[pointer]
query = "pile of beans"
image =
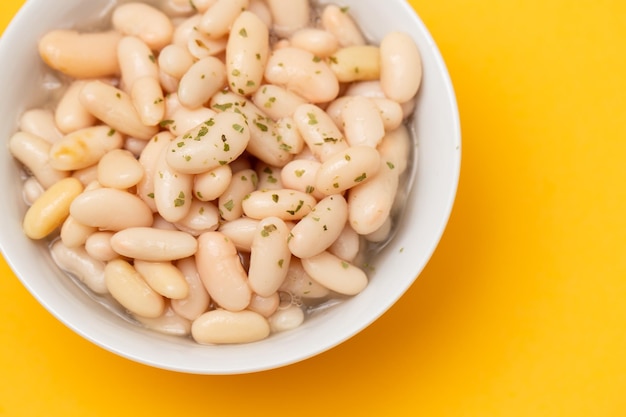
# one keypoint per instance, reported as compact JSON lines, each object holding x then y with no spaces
{"x":216,"y":166}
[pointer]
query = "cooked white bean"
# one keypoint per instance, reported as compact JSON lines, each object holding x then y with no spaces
{"x":286,"y":319}
{"x":391,"y":113}
{"x":203,"y":216}
{"x":200,"y":6}
{"x":134,"y":146}
{"x":303,"y":73}
{"x":148,"y":159}
{"x":299,"y":284}
{"x":148,"y":100}
{"x":285,"y":204}
{"x":347,"y":245}
{"x":184,"y":120}
{"x":175,"y":60}
{"x":51,"y":209}
{"x":162,"y":224}
{"x":31,"y":190}
{"x":86,"y":175}
{"x":221,"y":271}
{"x":260,"y":8}
{"x":347,"y":169}
{"x":218,"y":19}
{"x":362,"y":122}
{"x":119,"y":169}
{"x":185,"y":29}
{"x":319,"y":132}
{"x":203,"y":79}
{"x":289,"y":135}
{"x":168,"y":83}
{"x":216,"y":142}
{"x":247,"y":51}
{"x":81,"y":55}
{"x":240,"y":232}
{"x":198,"y":299}
{"x":269,"y":256}
{"x":395,"y":149}
{"x":335,"y":273}
{"x":277,"y":102}
{"x":289,"y":15}
{"x":201,"y":46}
{"x":110,"y":209}
{"x":131,"y":290}
{"x":268,"y":177}
{"x":115,"y":108}
{"x":77,"y":262}
{"x":98,"y":246}
{"x":319,"y":42}
{"x":34,"y":153}
{"x":300,"y":175}
{"x":400,"y":67}
{"x":170,"y":322}
{"x":356,"y":63}
{"x":228,"y":327}
{"x":163,"y":277}
{"x":151,"y":244}
{"x":381,"y":234}
{"x":172,"y":189}
{"x":70,"y":115}
{"x":320,"y":228}
{"x":373,"y":89}
{"x":209,"y":185}
{"x":144,"y":21}
{"x":229,"y":203}
{"x":136,"y":61}
{"x":338,"y":22}
{"x":40,"y":122}
{"x":75,"y":234}
{"x":265,"y":306}
{"x":84,"y":147}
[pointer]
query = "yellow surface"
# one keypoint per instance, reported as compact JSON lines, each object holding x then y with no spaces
{"x":521,"y":311}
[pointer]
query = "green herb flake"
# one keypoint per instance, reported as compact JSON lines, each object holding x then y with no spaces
{"x":223,"y":107}
{"x":210,"y":122}
{"x":180,"y":201}
{"x":152,"y":58}
{"x":325,"y":228}
{"x":199,"y":195}
{"x":118,"y":95}
{"x":361,"y":177}
{"x":243,"y":33}
{"x":281,"y":262}
{"x":229,"y":205}
{"x":261,"y":126}
{"x":187,"y":158}
{"x":275,"y":198}
{"x":331,"y":140}
{"x":316,"y":59}
{"x":236,"y":73}
{"x":250,"y":83}
{"x":111,"y":132}
{"x":345,"y":265}
{"x":238,"y":128}
{"x":347,"y":157}
{"x":165,"y":123}
{"x":201,"y":211}
{"x":271,"y":179}
{"x":180,"y":144}
{"x":299,"y":172}
{"x":309,"y":189}
{"x":312,"y":118}
{"x":222,"y":162}
{"x":345,"y":9}
{"x":285,"y":147}
{"x":293,"y":212}
{"x":158,"y":100}
{"x":390,"y":165}
{"x":268,"y":229}
{"x":336,"y":185}
{"x":333,"y":59}
{"x":151,"y":195}
{"x":258,"y":56}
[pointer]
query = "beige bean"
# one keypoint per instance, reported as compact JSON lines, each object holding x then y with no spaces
{"x":247,"y":51}
{"x":240,"y":232}
{"x":185,"y":29}
{"x":168,"y":84}
{"x":382,"y":233}
{"x":373,"y":90}
{"x":216,"y":142}
{"x":172,"y":189}
{"x":86,"y":175}
{"x":163,"y":277}
{"x":170,"y":322}
{"x":144,"y":21}
{"x":119,"y":169}
{"x":261,"y":9}
{"x":347,"y":245}
{"x":221,"y":271}
{"x":128,"y":287}
{"x":269,"y":256}
{"x":151,"y":244}
{"x":175,"y":60}
{"x":227,"y":327}
{"x":230,"y":202}
{"x":184,"y":120}
{"x":362,"y":122}
{"x":136,"y":61}
{"x":391,"y":113}
{"x":285,"y":204}
{"x":356,"y":63}
{"x":300,"y":175}
{"x":290,"y":136}
{"x":115,"y":108}
{"x":177,"y":8}
{"x":268,"y":177}
{"x":201,"y":46}
{"x":339,"y":22}
{"x":265,"y":306}
{"x":209,"y":185}
{"x":275,"y":101}
{"x":34,"y":153}
{"x":303,"y":73}
{"x":81,"y":55}
{"x":319,"y":132}
{"x":203,"y":79}
{"x":401,"y":67}
{"x":203,"y":216}
{"x":320,"y":228}
{"x":31,"y":190}
{"x":162,"y":224}
{"x":395,"y":149}
{"x":40,"y":122}
{"x":219,"y":18}
{"x":98,"y":246}
{"x":286,"y":319}
{"x":335,"y":273}
{"x":148,"y":159}
{"x":74,"y":234}
{"x":347,"y":169}
{"x":198,"y":299}
{"x":110,"y":209}
{"x":200,"y":6}
{"x":299,"y":284}
{"x":289,"y":15}
{"x":84,"y":147}
{"x":70,"y":115}
{"x":134,"y":146}
{"x":148,"y":100}
{"x":51,"y":209}
{"x":319,"y":42}
{"x":77,"y":262}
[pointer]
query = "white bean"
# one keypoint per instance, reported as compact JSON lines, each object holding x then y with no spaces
{"x":198,"y":299}
{"x":362,"y":122}
{"x":300,"y":175}
{"x":119,"y":169}
{"x":209,"y":185}
{"x":269,"y":256}
{"x":175,"y":60}
{"x":319,"y":132}
{"x":203,"y":79}
{"x":170,"y":322}
{"x":34,"y":153}
{"x":335,"y":273}
{"x":86,"y":175}
{"x":229,"y":203}
{"x":131,"y":290}
{"x":110,"y":209}
{"x":144,"y":21}
{"x":84,"y":147}
{"x":163,"y":277}
{"x":401,"y":67}
{"x":148,"y":100}
{"x":31,"y":190}
{"x":319,"y":42}
{"x":70,"y":115}
{"x":299,"y":284}
{"x":286,"y":319}
{"x":40,"y":122}
{"x":201,"y":46}
{"x":347,"y":245}
{"x":347,"y":169}
{"x":218,"y":19}
{"x":265,"y":306}
{"x":184,"y":120}
{"x":151,"y":244}
{"x":77,"y":262}
{"x":203,"y":216}
{"x":338,"y":22}
{"x":240,"y":232}
{"x":172,"y":189}
{"x":227,"y":327}
{"x":277,"y":102}
{"x":289,"y":15}
{"x":74,"y":234}
{"x":261,"y":9}
{"x":395,"y":148}
{"x":148,"y":159}
{"x":98,"y":246}
{"x":285,"y":204}
{"x":136,"y":61}
{"x":268,"y":177}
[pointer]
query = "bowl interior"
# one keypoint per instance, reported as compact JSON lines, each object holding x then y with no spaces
{"x":436,"y":125}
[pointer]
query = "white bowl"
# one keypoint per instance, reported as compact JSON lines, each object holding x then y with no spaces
{"x":436,"y":124}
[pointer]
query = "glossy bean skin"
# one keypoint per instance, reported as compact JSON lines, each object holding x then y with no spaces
{"x":277,"y":102}
{"x":289,"y":15}
{"x":362,"y":122}
{"x":144,"y":21}
{"x":300,"y":175}
{"x":209,"y":185}
{"x":335,"y":273}
{"x":34,"y":153}
{"x":219,"y":18}
{"x":221,"y":271}
{"x":31,"y":190}
{"x":240,"y":232}
{"x":198,"y":299}
{"x":148,"y":159}
{"x":319,"y":132}
{"x":98,"y":246}
{"x":81,"y":265}
{"x":155,"y":245}
{"x":230,"y":202}
{"x":285,"y":204}
{"x":184,"y":120}
{"x":401,"y":67}
{"x":175,"y":60}
{"x":265,"y":306}
{"x":84,"y":147}
{"x":269,"y":256}
{"x":73,"y":233}
{"x":148,"y":100}
{"x":119,"y":169}
{"x":81,"y":55}
{"x":319,"y":42}
{"x":395,"y":148}
{"x":51,"y":209}
{"x":228,"y":327}
{"x":42,"y":123}
{"x":163,"y":277}
{"x":347,"y":169}
{"x":70,"y":115}
{"x":203,"y":216}
{"x":170,"y":322}
{"x":136,"y":61}
{"x":172,"y":189}
{"x":347,"y":244}
{"x":356,"y":63}
{"x":110,"y":209}
{"x":128,"y":287}
{"x":201,"y":81}
{"x":299,"y":284}
{"x":286,"y":319}
{"x":340,"y":24}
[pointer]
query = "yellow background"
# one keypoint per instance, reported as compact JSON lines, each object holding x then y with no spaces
{"x":522,"y":309}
